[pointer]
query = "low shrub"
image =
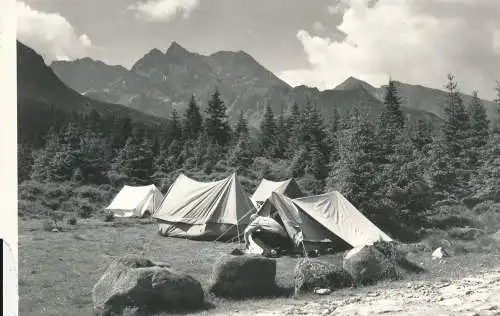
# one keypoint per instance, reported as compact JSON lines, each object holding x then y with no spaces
{"x":49,"y":225}
{"x":71,"y":220}
{"x":109,"y":217}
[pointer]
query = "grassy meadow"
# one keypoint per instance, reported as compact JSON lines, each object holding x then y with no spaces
{"x":57,"y":270}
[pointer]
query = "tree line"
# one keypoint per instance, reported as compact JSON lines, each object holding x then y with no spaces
{"x":392,"y":169}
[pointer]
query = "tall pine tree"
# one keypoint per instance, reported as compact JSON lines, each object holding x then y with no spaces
{"x":456,"y":129}
{"x":267,"y":136}
{"x":479,"y":122}
{"x":391,"y":121}
{"x":193,"y":121}
{"x":241,"y":129}
{"x":216,"y":123}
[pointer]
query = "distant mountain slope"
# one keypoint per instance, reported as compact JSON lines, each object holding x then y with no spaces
{"x":416,"y":97}
{"x":431,"y":100}
{"x":37,"y":84}
{"x":159,"y":82}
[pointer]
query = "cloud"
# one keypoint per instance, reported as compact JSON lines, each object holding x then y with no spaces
{"x":415,"y":41}
{"x":50,"y":34}
{"x":163,"y":10}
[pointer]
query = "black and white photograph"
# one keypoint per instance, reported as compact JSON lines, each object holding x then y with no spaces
{"x":231,"y":157}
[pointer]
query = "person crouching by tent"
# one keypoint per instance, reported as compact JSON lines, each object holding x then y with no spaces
{"x":266,"y":233}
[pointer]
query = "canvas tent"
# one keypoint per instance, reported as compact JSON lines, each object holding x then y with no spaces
{"x":289,"y":187}
{"x":136,"y":201}
{"x":204,"y":210}
{"x":326,"y":220}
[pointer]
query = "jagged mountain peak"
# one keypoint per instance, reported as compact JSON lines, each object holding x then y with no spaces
{"x":353,"y":83}
{"x":175,"y":46}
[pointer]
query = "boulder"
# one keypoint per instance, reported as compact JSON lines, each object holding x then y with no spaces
{"x":311,"y":274}
{"x":135,"y":283}
{"x":240,"y":277}
{"x":367,"y":265}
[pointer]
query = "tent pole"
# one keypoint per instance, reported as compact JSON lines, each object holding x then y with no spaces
{"x":238,"y":232}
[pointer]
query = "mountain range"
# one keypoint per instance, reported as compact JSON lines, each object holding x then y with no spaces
{"x":161,"y":81}
{"x":37,"y":85}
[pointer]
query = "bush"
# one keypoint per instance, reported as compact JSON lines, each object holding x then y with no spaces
{"x":109,"y":217}
{"x":486,"y":206}
{"x":85,"y":210}
{"x":49,"y":225}
{"x":32,"y":209}
{"x":72,"y":220}
{"x":30,"y":190}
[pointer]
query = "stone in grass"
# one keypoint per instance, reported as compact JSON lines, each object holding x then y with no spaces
{"x":239,"y":277}
{"x":311,"y":274}
{"x":136,"y":285}
{"x":367,"y":265}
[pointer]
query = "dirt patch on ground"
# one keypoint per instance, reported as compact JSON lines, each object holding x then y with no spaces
{"x":478,"y":295}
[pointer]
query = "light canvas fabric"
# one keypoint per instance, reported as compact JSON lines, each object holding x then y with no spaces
{"x":266,"y":187}
{"x":267,"y":224}
{"x":196,"y":209}
{"x":134,"y":201}
{"x":333,"y":211}
{"x":299,"y":226}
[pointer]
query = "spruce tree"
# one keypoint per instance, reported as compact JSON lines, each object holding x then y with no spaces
{"x":456,"y":133}
{"x":422,"y":134}
{"x":391,"y":121}
{"x":42,"y":158}
{"x":69,"y":155}
{"x":216,"y":122}
{"x":282,"y":137}
{"x":134,"y":162}
{"x":175,"y":126}
{"x":24,"y":161}
{"x":333,"y":137}
{"x":241,"y":154}
{"x":96,"y":157}
{"x":479,"y":122}
{"x":193,"y":121}
{"x":241,"y":129}
{"x":356,"y":171}
{"x":268,"y":132}
{"x":294,"y":125}
{"x":456,"y":128}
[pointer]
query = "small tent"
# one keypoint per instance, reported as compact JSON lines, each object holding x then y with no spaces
{"x":204,"y":210}
{"x":136,"y":201}
{"x":289,"y":188}
{"x":320,"y":221}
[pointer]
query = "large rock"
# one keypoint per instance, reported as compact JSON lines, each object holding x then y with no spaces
{"x":244,"y":277}
{"x":135,"y":283}
{"x":367,"y":265}
{"x":311,"y":274}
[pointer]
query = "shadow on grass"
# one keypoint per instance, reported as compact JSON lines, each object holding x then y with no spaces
{"x":265,"y":293}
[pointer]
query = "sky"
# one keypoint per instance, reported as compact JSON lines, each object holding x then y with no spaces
{"x":318,"y":43}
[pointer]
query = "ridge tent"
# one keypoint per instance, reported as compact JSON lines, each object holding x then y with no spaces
{"x":204,"y":210}
{"x":320,"y":221}
{"x":136,"y":201}
{"x":289,"y":187}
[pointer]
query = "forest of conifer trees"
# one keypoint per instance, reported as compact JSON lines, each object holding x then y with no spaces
{"x":395,"y":171}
